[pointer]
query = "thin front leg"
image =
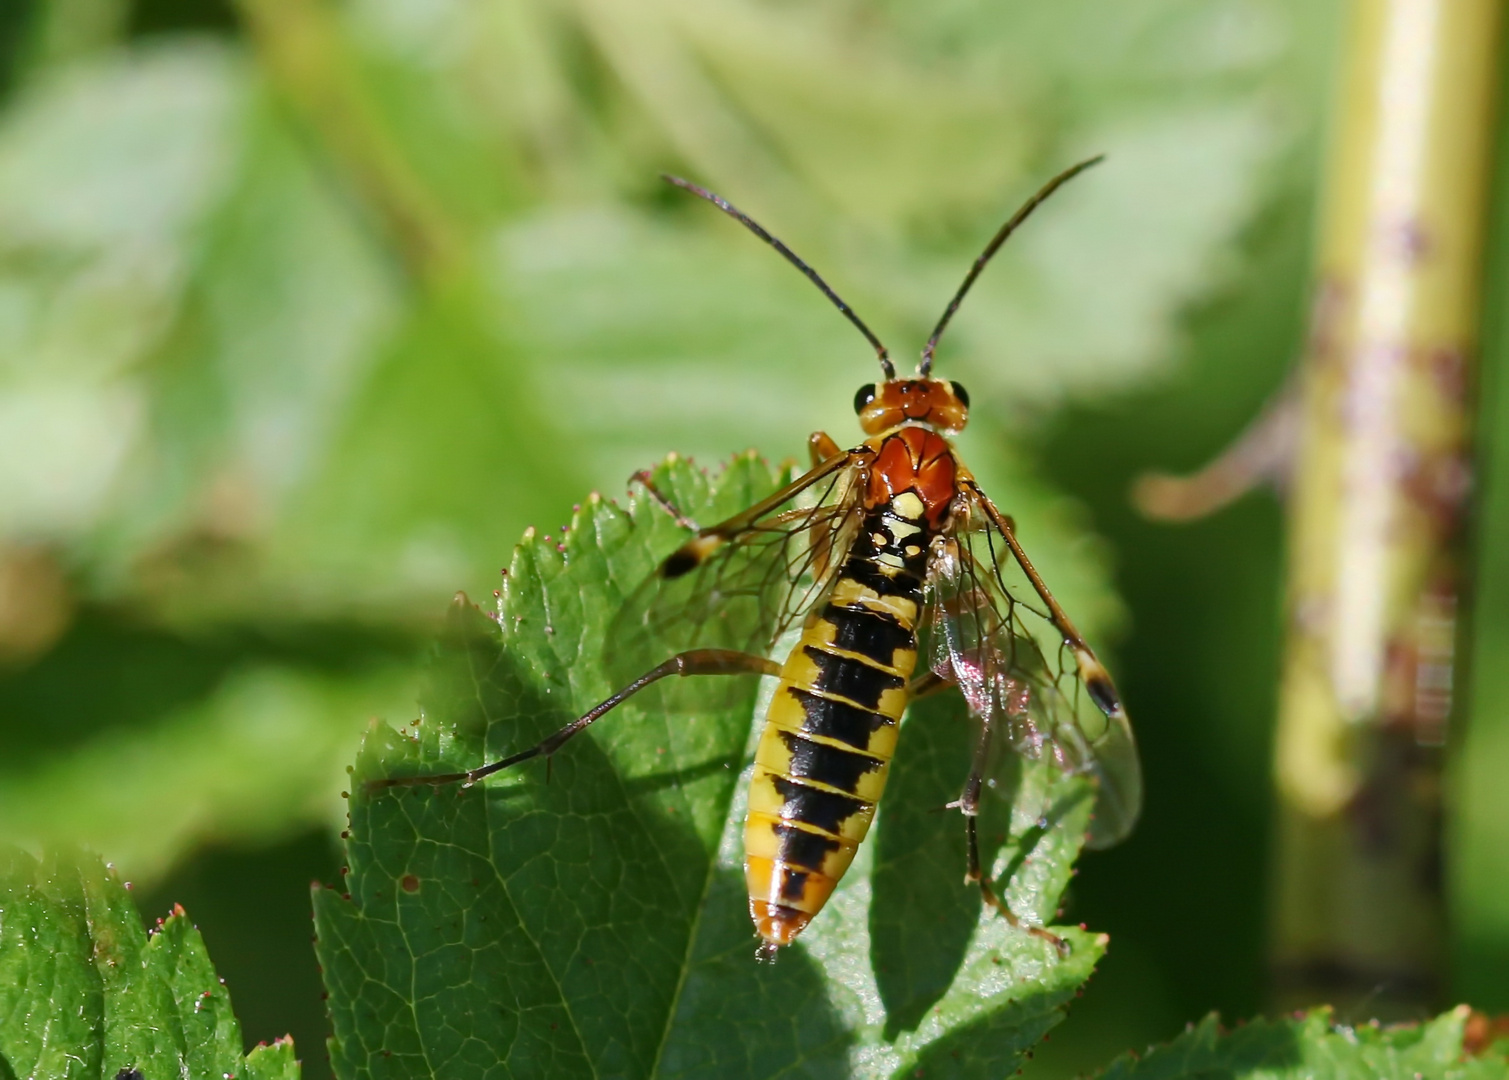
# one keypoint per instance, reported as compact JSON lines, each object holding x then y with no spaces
{"x":695,"y":662}
{"x":969,"y":806}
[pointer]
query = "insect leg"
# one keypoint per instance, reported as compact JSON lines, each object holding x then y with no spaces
{"x":645,"y":478}
{"x":969,"y":806}
{"x":926,"y":684}
{"x":694,"y":662}
{"x":821,"y":446}
{"x":691,"y":554}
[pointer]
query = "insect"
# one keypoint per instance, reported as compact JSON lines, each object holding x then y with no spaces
{"x":884,"y":553}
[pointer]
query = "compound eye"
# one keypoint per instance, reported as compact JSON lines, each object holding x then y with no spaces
{"x":864,"y":397}
{"x":960,"y":393}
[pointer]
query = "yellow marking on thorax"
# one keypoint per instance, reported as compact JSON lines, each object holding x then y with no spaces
{"x":901,"y":529}
{"x":908,"y":505}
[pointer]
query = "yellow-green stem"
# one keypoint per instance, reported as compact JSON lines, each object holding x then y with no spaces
{"x":1379,"y":485}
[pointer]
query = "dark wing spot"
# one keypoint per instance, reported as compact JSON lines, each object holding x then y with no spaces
{"x":1103,"y":693}
{"x":128,"y":1074}
{"x":679,"y":562}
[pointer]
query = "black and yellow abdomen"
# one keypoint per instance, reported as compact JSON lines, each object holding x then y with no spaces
{"x":822,"y":760}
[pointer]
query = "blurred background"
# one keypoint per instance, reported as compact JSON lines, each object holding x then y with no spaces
{"x":307,"y":310}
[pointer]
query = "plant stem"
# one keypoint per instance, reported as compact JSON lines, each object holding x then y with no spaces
{"x":1378,"y":493}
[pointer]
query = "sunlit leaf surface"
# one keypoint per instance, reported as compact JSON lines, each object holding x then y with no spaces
{"x":590,"y":918}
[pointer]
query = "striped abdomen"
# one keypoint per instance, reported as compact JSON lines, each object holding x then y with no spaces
{"x":822,"y":760}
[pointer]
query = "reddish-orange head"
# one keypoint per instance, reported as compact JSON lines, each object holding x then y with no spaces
{"x":938,"y":403}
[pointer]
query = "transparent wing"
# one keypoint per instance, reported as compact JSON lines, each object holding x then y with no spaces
{"x":741,"y":584}
{"x":993,"y":630}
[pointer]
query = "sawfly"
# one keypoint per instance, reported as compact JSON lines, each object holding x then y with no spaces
{"x":905,"y":579}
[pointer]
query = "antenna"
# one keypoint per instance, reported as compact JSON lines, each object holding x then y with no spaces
{"x":754,"y":226}
{"x":991,"y":248}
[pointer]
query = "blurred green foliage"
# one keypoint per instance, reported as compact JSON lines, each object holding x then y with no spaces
{"x":306,"y":311}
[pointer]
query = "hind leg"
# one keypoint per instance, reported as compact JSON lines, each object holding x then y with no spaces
{"x":969,"y":806}
{"x":695,"y":662}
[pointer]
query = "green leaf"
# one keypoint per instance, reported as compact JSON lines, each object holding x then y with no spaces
{"x":590,"y":918}
{"x":84,"y":992}
{"x":1313,"y":1047}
